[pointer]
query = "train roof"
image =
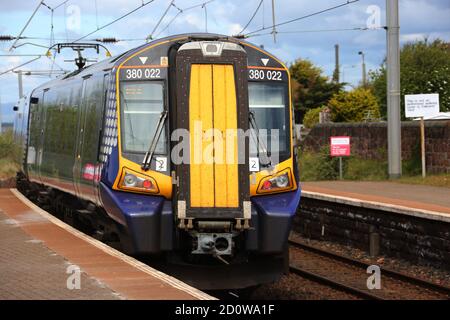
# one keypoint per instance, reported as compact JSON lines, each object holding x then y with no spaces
{"x":114,"y":61}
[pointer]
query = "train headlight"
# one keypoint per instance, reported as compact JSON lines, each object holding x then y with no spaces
{"x":282,"y":181}
{"x":211,"y":48}
{"x":279,"y":181}
{"x":129,"y":180}
{"x":135,"y":181}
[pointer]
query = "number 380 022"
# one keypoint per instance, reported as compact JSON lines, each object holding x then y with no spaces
{"x":148,"y":73}
{"x":258,"y":74}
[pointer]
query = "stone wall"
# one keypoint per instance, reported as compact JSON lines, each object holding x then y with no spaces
{"x":415,"y":239}
{"x":369,"y":141}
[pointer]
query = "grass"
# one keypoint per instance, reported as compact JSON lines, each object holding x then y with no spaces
{"x":9,"y":154}
{"x":437,"y":180}
{"x":316,"y":166}
{"x":8,"y":168}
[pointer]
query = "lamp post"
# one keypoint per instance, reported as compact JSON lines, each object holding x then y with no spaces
{"x":363,"y":69}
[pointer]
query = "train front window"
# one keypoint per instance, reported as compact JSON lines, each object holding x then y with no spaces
{"x":267,"y":102}
{"x":141,"y":104}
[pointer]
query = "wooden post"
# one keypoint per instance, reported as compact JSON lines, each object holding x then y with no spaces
{"x":422,"y":145}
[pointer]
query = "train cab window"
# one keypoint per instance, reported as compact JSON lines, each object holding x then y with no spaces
{"x":268,"y":104}
{"x":141,"y":107}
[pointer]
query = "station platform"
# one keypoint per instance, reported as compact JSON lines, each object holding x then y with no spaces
{"x":41,"y":257}
{"x":416,"y":200}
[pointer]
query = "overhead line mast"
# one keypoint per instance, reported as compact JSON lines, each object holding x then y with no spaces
{"x":274,"y":28}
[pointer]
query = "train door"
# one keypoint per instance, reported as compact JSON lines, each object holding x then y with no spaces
{"x":90,"y":123}
{"x":101,"y":122}
{"x":212,"y":111}
{"x":77,"y":167}
{"x":34,"y":136}
{"x":40,"y":141}
{"x":212,"y":104}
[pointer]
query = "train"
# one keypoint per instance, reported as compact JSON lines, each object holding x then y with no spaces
{"x":131,"y":151}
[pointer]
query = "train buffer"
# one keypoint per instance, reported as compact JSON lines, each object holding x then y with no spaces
{"x":41,"y":257}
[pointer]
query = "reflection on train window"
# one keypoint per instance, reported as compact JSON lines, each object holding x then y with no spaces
{"x":141,"y":105}
{"x":267,"y":101}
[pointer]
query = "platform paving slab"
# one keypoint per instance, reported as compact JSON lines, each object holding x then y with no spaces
{"x":419,"y":197}
{"x":36,"y":249}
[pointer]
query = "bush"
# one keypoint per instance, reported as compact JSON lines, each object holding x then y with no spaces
{"x":312,"y":117}
{"x":354,"y":106}
{"x":8,"y":147}
{"x":9,"y":155}
{"x":318,"y":166}
{"x":413,"y":166}
{"x":315,"y":166}
{"x":357,"y":169}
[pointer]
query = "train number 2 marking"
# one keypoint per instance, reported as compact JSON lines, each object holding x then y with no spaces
{"x":257,"y":74}
{"x":148,"y":73}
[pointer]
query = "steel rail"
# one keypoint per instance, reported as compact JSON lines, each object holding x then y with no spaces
{"x":384,"y":271}
{"x":333,"y":283}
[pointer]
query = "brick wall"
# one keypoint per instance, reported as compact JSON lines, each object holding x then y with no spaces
{"x":369,"y":141}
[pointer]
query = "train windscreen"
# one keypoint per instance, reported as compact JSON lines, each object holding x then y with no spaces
{"x":268,"y":103}
{"x":141,"y":105}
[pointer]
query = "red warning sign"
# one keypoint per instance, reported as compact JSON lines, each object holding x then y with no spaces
{"x":340,"y":146}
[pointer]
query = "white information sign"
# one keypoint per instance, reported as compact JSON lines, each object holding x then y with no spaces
{"x":421,"y":105}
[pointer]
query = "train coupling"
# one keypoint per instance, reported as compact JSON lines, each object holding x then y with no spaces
{"x":215,"y":244}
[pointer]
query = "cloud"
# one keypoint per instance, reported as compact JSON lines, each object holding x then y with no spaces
{"x":418,"y":19}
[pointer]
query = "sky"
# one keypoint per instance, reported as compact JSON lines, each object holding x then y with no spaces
{"x":313,"y":38}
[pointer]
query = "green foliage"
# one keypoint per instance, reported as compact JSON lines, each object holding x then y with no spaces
{"x":318,"y":166}
{"x":9,"y":155}
{"x":310,"y":88}
{"x":8,"y":147}
{"x":354,"y":106}
{"x":312,"y":117}
{"x":413,"y":166}
{"x":357,"y":169}
{"x":424,"y":68}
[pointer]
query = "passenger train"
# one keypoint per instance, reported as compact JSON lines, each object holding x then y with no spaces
{"x":113,"y":148}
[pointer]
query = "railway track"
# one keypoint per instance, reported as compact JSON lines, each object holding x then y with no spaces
{"x":349,"y":275}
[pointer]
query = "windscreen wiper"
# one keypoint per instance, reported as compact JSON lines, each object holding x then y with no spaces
{"x":260,"y":143}
{"x":151,"y":150}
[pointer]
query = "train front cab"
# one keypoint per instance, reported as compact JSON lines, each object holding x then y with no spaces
{"x":213,"y":200}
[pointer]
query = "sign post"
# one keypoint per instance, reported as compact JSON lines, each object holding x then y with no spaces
{"x":422,"y":146}
{"x":340,"y":147}
{"x":422,"y":105}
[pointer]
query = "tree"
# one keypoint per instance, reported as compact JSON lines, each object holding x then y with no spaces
{"x":355,"y":106}
{"x":310,"y":88}
{"x":424,"y":68}
{"x":312,"y":117}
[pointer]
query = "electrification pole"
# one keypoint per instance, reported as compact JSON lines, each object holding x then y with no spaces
{"x":19,"y":77}
{"x":393,"y":90}
{"x":336,"y":67}
{"x":274,"y":30}
{"x":363,"y":66}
